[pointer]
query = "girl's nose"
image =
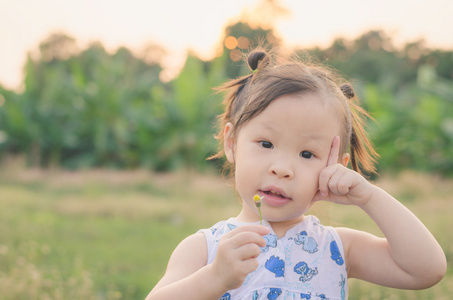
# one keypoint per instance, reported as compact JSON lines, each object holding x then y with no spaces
{"x":282,"y":169}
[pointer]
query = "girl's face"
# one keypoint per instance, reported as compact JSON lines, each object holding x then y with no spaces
{"x":279,"y":155}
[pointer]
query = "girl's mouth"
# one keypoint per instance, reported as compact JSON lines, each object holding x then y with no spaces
{"x":275,"y":192}
{"x":274,"y":196}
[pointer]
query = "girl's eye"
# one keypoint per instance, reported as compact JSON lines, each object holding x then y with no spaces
{"x":267,"y":145}
{"x":306,"y":154}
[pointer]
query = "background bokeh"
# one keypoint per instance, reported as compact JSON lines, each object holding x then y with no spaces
{"x":107,"y":116}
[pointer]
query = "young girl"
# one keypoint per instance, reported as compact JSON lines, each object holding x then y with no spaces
{"x":286,"y":132}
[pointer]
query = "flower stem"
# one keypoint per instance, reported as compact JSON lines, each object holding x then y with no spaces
{"x":257,"y":200}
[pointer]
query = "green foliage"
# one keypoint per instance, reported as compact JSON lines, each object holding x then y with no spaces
{"x":187,"y":132}
{"x":413,"y":130}
{"x":372,"y":58}
{"x":81,"y":111}
{"x":97,"y":109}
{"x":88,"y":108}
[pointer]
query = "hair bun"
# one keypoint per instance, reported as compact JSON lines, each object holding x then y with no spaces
{"x":347,"y":90}
{"x":254,"y":59}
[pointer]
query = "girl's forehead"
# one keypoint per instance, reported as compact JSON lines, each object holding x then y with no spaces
{"x":302,"y":102}
{"x":300,"y":113}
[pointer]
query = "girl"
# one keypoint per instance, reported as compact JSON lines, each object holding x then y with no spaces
{"x":286,"y":132}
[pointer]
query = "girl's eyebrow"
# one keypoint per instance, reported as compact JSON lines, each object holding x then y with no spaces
{"x":266,"y":126}
{"x":313,"y":136}
{"x":307,"y":136}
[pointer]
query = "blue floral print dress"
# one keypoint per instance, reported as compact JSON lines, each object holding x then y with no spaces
{"x":307,"y":263}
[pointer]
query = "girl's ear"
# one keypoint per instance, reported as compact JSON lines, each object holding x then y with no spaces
{"x":345,"y":159}
{"x":229,"y":142}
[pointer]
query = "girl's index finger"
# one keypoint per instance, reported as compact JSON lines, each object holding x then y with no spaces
{"x":334,"y":151}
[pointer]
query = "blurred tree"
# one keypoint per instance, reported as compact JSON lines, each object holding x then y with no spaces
{"x":86,"y":108}
{"x":12,"y":123}
{"x":238,"y":39}
{"x":372,"y":57}
{"x":369,"y":58}
{"x":58,"y":46}
{"x":413,"y":128}
{"x":441,"y":60}
{"x":254,"y":28}
{"x":188,"y":137}
{"x":82,"y":110}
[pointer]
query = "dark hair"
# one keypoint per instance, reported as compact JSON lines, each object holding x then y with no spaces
{"x":249,"y":95}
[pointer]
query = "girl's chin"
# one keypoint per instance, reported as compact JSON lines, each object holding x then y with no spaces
{"x":284,"y":219}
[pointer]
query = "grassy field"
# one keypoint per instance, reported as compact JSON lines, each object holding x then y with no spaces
{"x":108,"y":234}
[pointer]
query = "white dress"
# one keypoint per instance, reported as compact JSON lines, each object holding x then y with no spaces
{"x":307,"y":263}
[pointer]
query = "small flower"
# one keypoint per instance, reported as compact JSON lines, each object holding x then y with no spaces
{"x":257,"y":200}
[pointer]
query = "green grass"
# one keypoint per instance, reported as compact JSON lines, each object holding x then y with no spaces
{"x":108,"y":234}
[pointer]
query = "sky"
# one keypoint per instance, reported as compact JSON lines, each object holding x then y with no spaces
{"x":198,"y":25}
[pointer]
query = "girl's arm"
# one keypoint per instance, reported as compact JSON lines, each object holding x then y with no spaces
{"x":189,"y":277}
{"x":408,"y":257}
{"x":185,"y":275}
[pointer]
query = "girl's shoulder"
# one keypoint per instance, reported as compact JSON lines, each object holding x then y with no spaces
{"x":192,"y":248}
{"x":187,"y":258}
{"x":212,"y":235}
{"x":216,"y":231}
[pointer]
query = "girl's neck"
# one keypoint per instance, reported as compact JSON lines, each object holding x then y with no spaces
{"x":280,"y":228}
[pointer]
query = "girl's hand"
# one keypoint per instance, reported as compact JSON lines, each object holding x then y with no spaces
{"x":339,"y":184}
{"x":237,"y":253}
